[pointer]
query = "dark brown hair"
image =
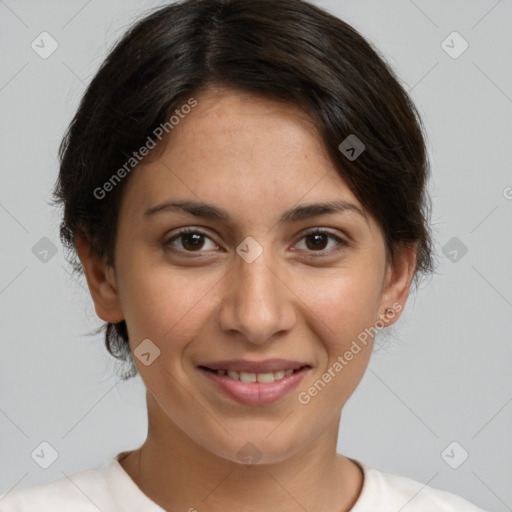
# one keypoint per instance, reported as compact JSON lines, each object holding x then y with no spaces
{"x":287,"y":50}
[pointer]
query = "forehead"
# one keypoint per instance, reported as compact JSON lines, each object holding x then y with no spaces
{"x":240,"y":150}
{"x":237,"y":128}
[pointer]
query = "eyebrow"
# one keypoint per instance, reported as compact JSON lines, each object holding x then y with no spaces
{"x":298,"y":213}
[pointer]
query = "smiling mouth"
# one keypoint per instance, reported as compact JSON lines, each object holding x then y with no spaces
{"x":248,"y":377}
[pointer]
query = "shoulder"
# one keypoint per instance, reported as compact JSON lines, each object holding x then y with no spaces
{"x":83,"y":491}
{"x":386,"y":492}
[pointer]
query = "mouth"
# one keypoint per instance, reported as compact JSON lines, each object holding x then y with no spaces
{"x":254,"y":383}
{"x":250,"y":377}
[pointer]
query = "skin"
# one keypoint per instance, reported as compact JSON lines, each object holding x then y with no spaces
{"x":255,"y":158}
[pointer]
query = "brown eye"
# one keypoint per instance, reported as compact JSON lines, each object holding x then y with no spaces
{"x":191,"y":240}
{"x":318,"y":240}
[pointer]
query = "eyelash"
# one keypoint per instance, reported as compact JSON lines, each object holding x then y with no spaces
{"x":343,"y":243}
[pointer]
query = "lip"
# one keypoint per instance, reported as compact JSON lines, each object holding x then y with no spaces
{"x":244,"y":365}
{"x":255,"y":393}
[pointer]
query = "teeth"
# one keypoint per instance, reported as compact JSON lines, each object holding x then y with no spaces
{"x":256,"y":377}
{"x":266,"y":377}
{"x":279,"y":375}
{"x":247,"y":377}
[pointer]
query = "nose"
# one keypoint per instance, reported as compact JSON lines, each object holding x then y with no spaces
{"x":257,"y":303}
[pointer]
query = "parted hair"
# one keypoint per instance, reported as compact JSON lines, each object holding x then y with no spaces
{"x":286,"y":50}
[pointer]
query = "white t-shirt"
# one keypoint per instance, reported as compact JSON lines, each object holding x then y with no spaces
{"x":109,"y":488}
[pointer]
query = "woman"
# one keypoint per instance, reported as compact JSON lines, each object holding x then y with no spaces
{"x":244,"y":185}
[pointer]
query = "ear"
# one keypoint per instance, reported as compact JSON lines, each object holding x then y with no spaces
{"x":101,"y":281}
{"x":397,"y":281}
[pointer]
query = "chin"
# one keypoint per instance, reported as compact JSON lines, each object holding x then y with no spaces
{"x":257,"y":450}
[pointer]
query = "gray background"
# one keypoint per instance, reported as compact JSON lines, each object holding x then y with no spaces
{"x":444,"y":374}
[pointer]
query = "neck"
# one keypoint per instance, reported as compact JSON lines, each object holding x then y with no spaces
{"x":179,"y":474}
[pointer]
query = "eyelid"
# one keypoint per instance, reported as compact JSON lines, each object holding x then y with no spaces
{"x":341,"y":240}
{"x":184,"y":231}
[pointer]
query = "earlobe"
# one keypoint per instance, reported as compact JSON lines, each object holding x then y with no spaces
{"x":399,"y":276}
{"x":101,"y":281}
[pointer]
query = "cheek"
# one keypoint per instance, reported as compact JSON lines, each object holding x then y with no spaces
{"x":170,"y":305}
{"x":343,"y":303}
{"x":342,"y":311}
{"x":165,"y":305}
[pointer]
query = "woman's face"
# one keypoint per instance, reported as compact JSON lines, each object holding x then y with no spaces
{"x":252,"y":286}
